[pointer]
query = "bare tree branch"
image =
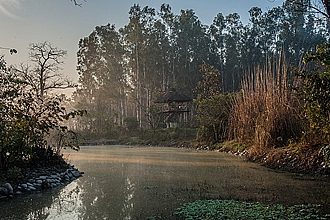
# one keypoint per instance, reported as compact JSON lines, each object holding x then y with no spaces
{"x":77,"y":3}
{"x":318,"y":6}
{"x":45,"y":73}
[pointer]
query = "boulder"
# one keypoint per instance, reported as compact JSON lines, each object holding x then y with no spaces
{"x":18,"y":192}
{"x":76,"y":174}
{"x":45,"y":185}
{"x":42,"y":177}
{"x":3,"y":191}
{"x":9,"y":188}
{"x":32,"y":188}
{"x":37,"y":185}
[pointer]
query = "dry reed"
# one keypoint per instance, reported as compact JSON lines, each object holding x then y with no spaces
{"x":266,"y":113}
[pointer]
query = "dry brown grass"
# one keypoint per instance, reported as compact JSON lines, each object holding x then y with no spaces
{"x":267,"y":112}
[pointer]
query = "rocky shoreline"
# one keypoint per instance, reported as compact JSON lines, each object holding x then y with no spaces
{"x":40,"y":179}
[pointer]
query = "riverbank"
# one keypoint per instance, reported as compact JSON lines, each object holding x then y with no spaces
{"x":139,"y":182}
{"x":35,"y":179}
{"x":296,"y":158}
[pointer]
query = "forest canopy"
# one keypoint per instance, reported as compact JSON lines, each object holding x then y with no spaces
{"x":122,"y":70}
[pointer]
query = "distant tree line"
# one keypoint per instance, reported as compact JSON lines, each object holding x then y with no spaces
{"x":121,"y":71}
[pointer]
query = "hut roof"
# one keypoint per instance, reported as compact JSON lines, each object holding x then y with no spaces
{"x":172,"y":96}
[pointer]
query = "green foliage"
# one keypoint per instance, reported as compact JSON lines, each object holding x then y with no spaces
{"x":14,"y":173}
{"x":230,"y":209}
{"x":122,"y":69}
{"x":213,"y":117}
{"x":231,"y":146}
{"x":102,"y":82}
{"x":27,"y":119}
{"x":213,"y":108}
{"x":209,"y":85}
{"x":325,"y":152}
{"x":155,"y":119}
{"x":316,"y":91}
{"x":168,"y":136}
{"x":131,"y":124}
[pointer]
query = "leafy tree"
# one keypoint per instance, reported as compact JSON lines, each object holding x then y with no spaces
{"x":190,"y":52}
{"x":320,"y":6}
{"x":158,"y":50}
{"x":232,"y":69}
{"x":27,"y":119}
{"x":213,"y":108}
{"x":213,"y":117}
{"x":316,"y":92}
{"x":102,"y":84}
{"x":210,"y":84}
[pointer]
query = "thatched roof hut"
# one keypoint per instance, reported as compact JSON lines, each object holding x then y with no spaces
{"x":172,"y":96}
{"x":175,"y":108}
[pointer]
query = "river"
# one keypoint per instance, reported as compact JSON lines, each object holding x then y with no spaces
{"x":125,"y":182}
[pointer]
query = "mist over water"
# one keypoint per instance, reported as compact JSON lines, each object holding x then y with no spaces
{"x":123,"y":182}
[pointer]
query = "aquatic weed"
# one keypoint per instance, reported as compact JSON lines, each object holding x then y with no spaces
{"x":231,"y":209}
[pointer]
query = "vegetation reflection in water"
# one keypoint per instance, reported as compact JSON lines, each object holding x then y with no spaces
{"x":137,"y":183}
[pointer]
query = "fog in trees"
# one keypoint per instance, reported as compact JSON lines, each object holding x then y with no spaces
{"x":123,"y":69}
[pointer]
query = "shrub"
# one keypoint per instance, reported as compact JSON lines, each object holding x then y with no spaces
{"x":131,"y":124}
{"x":212,"y":117}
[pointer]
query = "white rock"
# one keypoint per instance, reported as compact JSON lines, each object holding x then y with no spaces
{"x":32,"y":188}
{"x":76,"y":174}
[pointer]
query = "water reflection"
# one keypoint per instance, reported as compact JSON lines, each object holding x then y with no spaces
{"x":57,"y":204}
{"x":136,"y":183}
{"x":128,"y":202}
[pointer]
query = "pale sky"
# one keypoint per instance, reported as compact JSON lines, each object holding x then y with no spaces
{"x":60,"y":22}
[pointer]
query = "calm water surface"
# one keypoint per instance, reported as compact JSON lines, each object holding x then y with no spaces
{"x":123,"y":182}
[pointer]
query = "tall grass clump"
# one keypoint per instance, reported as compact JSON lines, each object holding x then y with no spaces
{"x":267,"y":112}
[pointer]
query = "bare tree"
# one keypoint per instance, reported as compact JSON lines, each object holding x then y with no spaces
{"x":75,"y":2}
{"x":315,"y":6}
{"x":44,"y":74}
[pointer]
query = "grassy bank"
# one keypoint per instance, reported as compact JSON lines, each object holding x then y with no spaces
{"x":296,"y":157}
{"x":172,"y":137}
